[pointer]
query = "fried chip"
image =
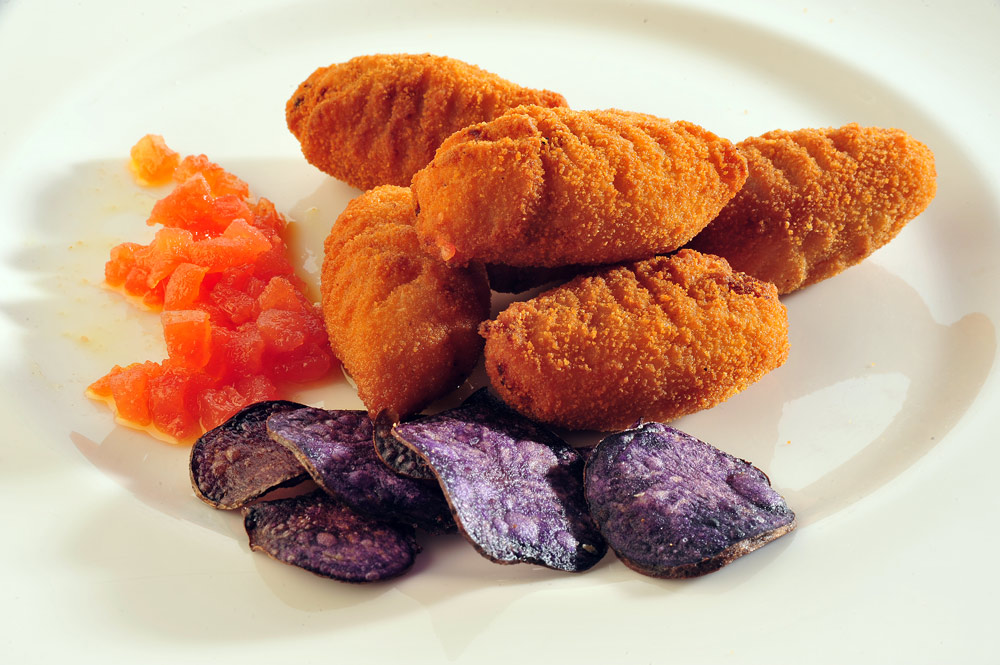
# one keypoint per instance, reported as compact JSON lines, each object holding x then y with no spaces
{"x":514,"y":487}
{"x":673,"y":506}
{"x":336,"y":449}
{"x":320,"y":534}
{"x":237,"y":462}
{"x":394,"y":454}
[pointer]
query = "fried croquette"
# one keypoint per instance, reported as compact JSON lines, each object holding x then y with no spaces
{"x":403,"y":323}
{"x":818,"y":201}
{"x":377,"y":119}
{"x":655,"y":340}
{"x":551,"y":187}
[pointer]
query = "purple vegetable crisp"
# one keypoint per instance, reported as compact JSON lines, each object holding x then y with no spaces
{"x":237,"y":462}
{"x":514,"y":487}
{"x":336,"y":448}
{"x":672,"y":506}
{"x":320,"y":534}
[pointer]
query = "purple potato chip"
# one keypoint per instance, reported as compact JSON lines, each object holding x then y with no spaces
{"x":516,"y":489}
{"x":672,"y":506}
{"x":336,"y":449}
{"x":394,"y":454}
{"x":322,"y":535}
{"x":237,"y":462}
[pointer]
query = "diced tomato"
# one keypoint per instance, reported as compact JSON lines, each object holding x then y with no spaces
{"x":236,"y":322}
{"x":254,"y":238}
{"x":246,"y":350}
{"x":239,"y":244}
{"x":309,"y":363}
{"x":265,"y":216}
{"x":102,"y":387}
{"x":238,"y":306}
{"x":183,"y":289}
{"x":275,"y":263}
{"x":152,"y":162}
{"x":153,"y":298}
{"x":280,"y":293}
{"x":217,"y":405}
{"x":281,"y":330}
{"x":121,"y":262}
{"x":238,"y":352}
{"x":130,"y":389}
{"x":188,"y":206}
{"x":169,"y":249}
{"x":173,"y":403}
{"x":220,"y":181}
{"x":137,"y":281}
{"x":227,"y":208}
{"x":256,"y":388}
{"x":315,"y":329}
{"x":188,"y":334}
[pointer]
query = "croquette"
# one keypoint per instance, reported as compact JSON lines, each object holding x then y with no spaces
{"x":403,"y":323}
{"x":377,"y":119}
{"x":654,"y":340}
{"x":818,"y":201}
{"x":551,"y":186}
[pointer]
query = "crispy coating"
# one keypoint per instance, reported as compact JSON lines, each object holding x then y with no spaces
{"x":377,"y":119}
{"x":403,"y":323}
{"x":550,"y":187}
{"x":655,"y":340}
{"x":820,"y":200}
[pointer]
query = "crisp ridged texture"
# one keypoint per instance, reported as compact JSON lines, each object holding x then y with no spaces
{"x":551,"y":187}
{"x":655,"y":340}
{"x":820,"y":200}
{"x":377,"y":119}
{"x":403,"y":323}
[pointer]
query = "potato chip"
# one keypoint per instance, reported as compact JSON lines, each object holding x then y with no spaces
{"x":514,"y":487}
{"x":237,"y":462}
{"x":673,"y":506}
{"x":320,"y":534}
{"x":394,"y":454}
{"x":336,"y":449}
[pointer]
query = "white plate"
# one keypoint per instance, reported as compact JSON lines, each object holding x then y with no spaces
{"x":880,"y":429}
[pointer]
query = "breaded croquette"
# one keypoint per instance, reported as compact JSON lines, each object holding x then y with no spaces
{"x":377,"y":119}
{"x":551,"y":187}
{"x":820,"y":200}
{"x":655,"y":340}
{"x":403,"y":323}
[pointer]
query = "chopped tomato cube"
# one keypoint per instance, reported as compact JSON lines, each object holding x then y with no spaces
{"x":280,"y":293}
{"x":236,"y":322}
{"x":219,"y":180}
{"x":217,"y":405}
{"x":188,"y":334}
{"x":172,"y":395}
{"x":281,"y":329}
{"x":188,"y":206}
{"x":183,"y":288}
{"x":130,"y":389}
{"x":152,"y":162}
